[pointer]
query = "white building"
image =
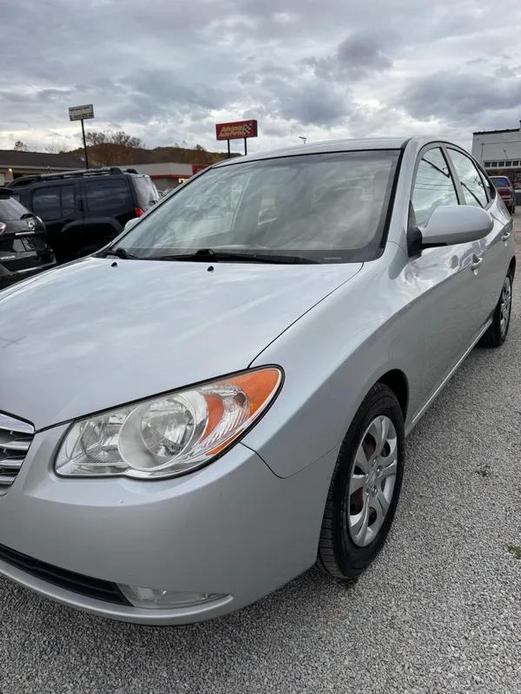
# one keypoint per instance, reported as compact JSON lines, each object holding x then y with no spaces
{"x":499,"y":152}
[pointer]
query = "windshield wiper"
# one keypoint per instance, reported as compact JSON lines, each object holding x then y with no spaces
{"x":118,"y":252}
{"x":211,"y":255}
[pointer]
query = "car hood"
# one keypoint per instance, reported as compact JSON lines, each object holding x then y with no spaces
{"x":99,"y":333}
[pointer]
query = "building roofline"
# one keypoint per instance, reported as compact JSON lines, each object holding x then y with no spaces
{"x":493,"y":132}
{"x":48,"y":168}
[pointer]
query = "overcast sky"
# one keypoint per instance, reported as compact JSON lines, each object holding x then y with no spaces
{"x":168,"y":70}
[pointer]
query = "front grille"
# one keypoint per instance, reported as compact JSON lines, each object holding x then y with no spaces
{"x":15,"y":438}
{"x":70,"y":580}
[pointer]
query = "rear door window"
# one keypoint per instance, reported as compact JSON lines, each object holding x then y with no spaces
{"x":107,"y":196}
{"x":433,"y":187}
{"x":10,"y":209}
{"x":471,"y":182}
{"x":487,"y":183}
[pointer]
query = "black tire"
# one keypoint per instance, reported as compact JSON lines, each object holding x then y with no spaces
{"x":513,"y":210}
{"x":338,"y":555}
{"x":497,"y":331}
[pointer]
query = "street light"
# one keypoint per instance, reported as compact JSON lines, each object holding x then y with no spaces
{"x":304,"y":139}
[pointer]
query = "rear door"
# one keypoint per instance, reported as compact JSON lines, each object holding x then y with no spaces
{"x":492,"y":252}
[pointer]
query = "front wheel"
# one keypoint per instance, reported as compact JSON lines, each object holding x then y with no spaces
{"x":497,"y":331}
{"x":365,"y":487}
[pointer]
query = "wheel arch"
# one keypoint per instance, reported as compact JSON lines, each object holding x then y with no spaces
{"x":512,"y":267}
{"x":397,"y":381}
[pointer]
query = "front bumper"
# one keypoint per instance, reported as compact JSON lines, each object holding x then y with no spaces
{"x":233,"y":528}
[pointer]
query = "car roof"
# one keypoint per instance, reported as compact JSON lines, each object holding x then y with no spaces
{"x":326,"y":146}
{"x":75,"y":174}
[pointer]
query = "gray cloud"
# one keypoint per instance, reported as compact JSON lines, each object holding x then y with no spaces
{"x":460,"y":96}
{"x":167,"y":71}
{"x":362,"y":51}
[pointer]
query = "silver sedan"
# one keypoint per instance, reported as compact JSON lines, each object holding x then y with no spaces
{"x":219,"y":399}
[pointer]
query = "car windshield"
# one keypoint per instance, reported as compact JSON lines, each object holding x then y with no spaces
{"x":10,"y":209}
{"x":311,"y":208}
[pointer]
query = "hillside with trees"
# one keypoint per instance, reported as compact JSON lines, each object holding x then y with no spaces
{"x":110,"y":148}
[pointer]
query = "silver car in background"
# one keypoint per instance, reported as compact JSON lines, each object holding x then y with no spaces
{"x":218,"y":400}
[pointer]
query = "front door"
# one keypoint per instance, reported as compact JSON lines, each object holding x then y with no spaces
{"x":446,"y":309}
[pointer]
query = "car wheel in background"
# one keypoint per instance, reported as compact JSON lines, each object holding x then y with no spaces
{"x":498,"y":329}
{"x":365,"y":486}
{"x":87,"y":250}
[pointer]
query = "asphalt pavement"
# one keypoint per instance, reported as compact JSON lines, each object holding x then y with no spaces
{"x":439,"y":611}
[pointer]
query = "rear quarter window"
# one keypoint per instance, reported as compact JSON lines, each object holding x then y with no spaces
{"x":107,"y":196}
{"x":10,"y":209}
{"x":500,"y":181}
{"x":146,"y":192}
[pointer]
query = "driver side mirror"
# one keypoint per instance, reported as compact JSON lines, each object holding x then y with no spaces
{"x":450,"y":225}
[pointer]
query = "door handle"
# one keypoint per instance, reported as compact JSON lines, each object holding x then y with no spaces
{"x":506,"y":235}
{"x":476,"y":262}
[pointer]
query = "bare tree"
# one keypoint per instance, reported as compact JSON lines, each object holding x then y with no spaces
{"x":20,"y":146}
{"x":112,"y":137}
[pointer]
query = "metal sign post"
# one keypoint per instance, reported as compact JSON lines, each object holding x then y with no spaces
{"x":84,"y":144}
{"x":82,"y":113}
{"x":236,"y":130}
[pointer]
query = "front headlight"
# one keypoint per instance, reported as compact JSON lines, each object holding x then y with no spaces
{"x":171,"y":434}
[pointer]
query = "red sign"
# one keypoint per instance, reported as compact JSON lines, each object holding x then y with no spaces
{"x":237,"y":130}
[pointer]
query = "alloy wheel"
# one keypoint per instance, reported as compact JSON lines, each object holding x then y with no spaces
{"x":373,"y":477}
{"x":505,"y":306}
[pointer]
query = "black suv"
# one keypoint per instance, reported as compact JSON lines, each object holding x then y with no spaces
{"x":24,"y":250}
{"x":84,"y":210}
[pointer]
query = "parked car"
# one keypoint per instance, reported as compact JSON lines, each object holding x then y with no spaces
{"x":24,"y":249}
{"x":84,"y":210}
{"x":506,"y":190}
{"x":219,"y":399}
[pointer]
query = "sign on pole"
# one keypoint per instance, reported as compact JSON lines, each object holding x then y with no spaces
{"x":236,"y":130}
{"x":81,"y":112}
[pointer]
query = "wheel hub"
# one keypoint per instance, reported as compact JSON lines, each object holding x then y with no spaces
{"x":372,"y":480}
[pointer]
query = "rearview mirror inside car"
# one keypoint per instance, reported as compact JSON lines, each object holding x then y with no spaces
{"x":450,"y":225}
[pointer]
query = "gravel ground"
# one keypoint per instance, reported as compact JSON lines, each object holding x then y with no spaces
{"x":439,"y":611}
